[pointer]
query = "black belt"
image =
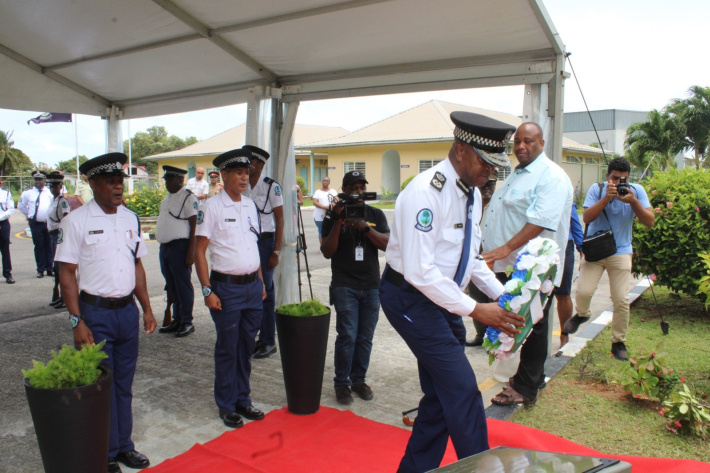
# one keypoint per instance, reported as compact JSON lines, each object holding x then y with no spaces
{"x":398,"y":280}
{"x":106,"y":302}
{"x":54,"y":232}
{"x":173,"y":242}
{"x":231,"y":278}
{"x":265,"y":235}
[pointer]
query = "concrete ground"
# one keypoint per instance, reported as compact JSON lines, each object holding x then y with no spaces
{"x":173,"y":400}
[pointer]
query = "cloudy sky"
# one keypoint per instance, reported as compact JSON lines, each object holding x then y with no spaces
{"x":628,"y":54}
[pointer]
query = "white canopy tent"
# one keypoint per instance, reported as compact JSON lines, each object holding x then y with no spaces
{"x":137,"y":58}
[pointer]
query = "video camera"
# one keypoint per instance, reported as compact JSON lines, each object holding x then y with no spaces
{"x":622,"y":188}
{"x":354,"y":209}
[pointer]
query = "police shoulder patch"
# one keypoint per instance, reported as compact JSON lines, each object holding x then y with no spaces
{"x":194,"y":205}
{"x":438,"y":181}
{"x":65,"y":204}
{"x":200,"y":217}
{"x":424,"y":219}
{"x":60,"y":236}
{"x":277,"y":190}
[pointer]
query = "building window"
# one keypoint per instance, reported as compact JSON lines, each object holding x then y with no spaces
{"x":592,"y":160}
{"x":574,"y":159}
{"x":503,"y":174}
{"x":425,"y":164}
{"x":354,"y":166}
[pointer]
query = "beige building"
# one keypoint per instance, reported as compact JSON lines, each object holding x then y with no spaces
{"x":392,"y":150}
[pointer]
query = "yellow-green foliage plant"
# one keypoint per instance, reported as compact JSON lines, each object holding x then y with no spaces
{"x":303,"y":309}
{"x":68,"y":368}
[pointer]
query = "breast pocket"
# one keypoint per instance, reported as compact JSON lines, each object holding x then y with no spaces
{"x":98,"y":245}
{"x":453,"y":235}
{"x":227,"y":232}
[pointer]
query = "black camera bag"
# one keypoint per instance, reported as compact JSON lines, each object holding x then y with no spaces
{"x":600,"y":245}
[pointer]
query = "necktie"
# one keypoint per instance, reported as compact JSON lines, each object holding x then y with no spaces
{"x":463,"y":262}
{"x":37,"y":205}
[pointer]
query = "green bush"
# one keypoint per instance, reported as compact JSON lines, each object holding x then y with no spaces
{"x":302,"y":184}
{"x":404,"y":184}
{"x":146,"y":203}
{"x":704,"y":282}
{"x":670,"y":249}
{"x":70,"y":368}
{"x":648,"y":376}
{"x":303,"y":309}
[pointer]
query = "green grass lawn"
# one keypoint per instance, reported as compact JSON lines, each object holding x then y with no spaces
{"x":599,"y":414}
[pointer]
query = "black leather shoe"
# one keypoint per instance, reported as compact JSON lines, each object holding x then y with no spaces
{"x":258,"y":345}
{"x":55,"y":302}
{"x":133,"y":459}
{"x":573,"y":323}
{"x":113,"y":466}
{"x":232,"y":419}
{"x":171,"y":327}
{"x":476,"y":342}
{"x":50,"y":273}
{"x":618,"y":349}
{"x":40,"y":274}
{"x":61,"y":305}
{"x":250,"y":412}
{"x":9,"y":280}
{"x":363,"y":391}
{"x":265,"y":351}
{"x":185,"y":330}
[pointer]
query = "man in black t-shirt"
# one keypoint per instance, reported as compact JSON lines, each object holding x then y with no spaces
{"x":352,"y":246}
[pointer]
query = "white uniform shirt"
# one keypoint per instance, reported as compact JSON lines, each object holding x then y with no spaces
{"x":232,"y":229}
{"x":427,"y":240}
{"x":7,"y":205}
{"x":58,"y":209}
{"x":198,"y":187}
{"x":102,"y":250}
{"x":266,"y":200}
{"x":172,"y":219}
{"x":28,"y":199}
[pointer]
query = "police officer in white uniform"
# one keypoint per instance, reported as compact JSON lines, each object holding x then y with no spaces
{"x":431,"y":257}
{"x":175,"y":231}
{"x":267,"y":195}
{"x":102,"y":241}
{"x":7,"y":208}
{"x":228,"y":224}
{"x":34,"y":203}
{"x":57,"y":211}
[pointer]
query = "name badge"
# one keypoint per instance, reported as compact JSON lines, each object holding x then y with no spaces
{"x":95,"y":232}
{"x":230,"y":219}
{"x":458,"y":225}
{"x":359,"y":253}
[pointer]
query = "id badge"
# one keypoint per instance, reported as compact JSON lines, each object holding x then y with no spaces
{"x":359,"y":253}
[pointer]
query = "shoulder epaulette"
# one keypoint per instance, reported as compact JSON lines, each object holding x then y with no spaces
{"x":438,"y":181}
{"x":268,"y":180}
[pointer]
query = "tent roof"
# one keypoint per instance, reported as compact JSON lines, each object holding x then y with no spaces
{"x":169,"y":56}
{"x":234,"y":138}
{"x":424,"y":123}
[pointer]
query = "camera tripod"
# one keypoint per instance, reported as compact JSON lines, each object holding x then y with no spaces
{"x":301,"y":248}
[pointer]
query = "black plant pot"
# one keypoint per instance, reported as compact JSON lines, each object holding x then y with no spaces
{"x":303,"y":342}
{"x":72,"y":425}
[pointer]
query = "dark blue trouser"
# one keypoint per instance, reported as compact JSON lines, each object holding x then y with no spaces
{"x":452,"y":405}
{"x":43,"y":246}
{"x":356,"y":312}
{"x":5,"y":248}
{"x":267,"y":331}
{"x":119,"y":327}
{"x":178,"y":278}
{"x":236,"y":325}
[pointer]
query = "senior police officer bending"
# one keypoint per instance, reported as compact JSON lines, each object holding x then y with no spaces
{"x":228,"y":224}
{"x":102,"y":240}
{"x":175,"y":232}
{"x":431,"y":257}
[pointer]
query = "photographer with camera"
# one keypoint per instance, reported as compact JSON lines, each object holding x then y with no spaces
{"x":353,"y":232}
{"x":617,"y":204}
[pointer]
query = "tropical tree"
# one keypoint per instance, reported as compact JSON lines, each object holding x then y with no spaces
{"x":68,"y":166}
{"x":12,"y":160}
{"x":658,"y":139}
{"x":694,"y":113}
{"x":155,"y":140}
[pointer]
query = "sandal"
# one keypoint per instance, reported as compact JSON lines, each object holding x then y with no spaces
{"x":510,"y":397}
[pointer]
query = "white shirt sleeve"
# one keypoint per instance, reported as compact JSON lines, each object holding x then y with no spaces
{"x":22,"y":205}
{"x":69,"y":244}
{"x":9,"y":206}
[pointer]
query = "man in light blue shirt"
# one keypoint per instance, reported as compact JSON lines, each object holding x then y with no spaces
{"x":611,"y":206}
{"x":535,"y":200}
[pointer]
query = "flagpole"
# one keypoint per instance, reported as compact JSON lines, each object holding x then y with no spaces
{"x":76,"y":144}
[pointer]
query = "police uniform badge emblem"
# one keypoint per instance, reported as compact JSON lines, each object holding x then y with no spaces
{"x":64,"y":204}
{"x":200,"y":217}
{"x":277,"y":190}
{"x":424,"y":219}
{"x":195,"y":205}
{"x":60,"y":236}
{"x":438,"y":181}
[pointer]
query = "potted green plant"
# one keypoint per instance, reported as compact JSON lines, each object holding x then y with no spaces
{"x":70,"y":403}
{"x":303,"y":342}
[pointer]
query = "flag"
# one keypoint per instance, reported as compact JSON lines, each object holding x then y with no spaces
{"x":51,"y":117}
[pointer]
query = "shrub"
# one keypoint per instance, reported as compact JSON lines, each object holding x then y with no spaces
{"x":686,"y":414}
{"x":302,"y":184}
{"x":648,"y":376}
{"x":404,"y":184}
{"x":70,"y":368}
{"x":669,"y":249}
{"x":303,"y":309}
{"x":146,"y":203}
{"x":704,"y":282}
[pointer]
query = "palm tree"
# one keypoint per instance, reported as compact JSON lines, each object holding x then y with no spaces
{"x":10,"y":157}
{"x":662,"y":136}
{"x":694,"y":113}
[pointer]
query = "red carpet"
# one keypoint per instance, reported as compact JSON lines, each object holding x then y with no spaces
{"x":333,"y":440}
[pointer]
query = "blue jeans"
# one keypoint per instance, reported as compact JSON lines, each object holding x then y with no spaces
{"x":267,"y":331}
{"x":356,"y":311}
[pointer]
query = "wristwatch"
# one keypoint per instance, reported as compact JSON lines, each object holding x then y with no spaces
{"x":277,"y":252}
{"x":367,"y":229}
{"x":74,"y":320}
{"x":206,"y":291}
